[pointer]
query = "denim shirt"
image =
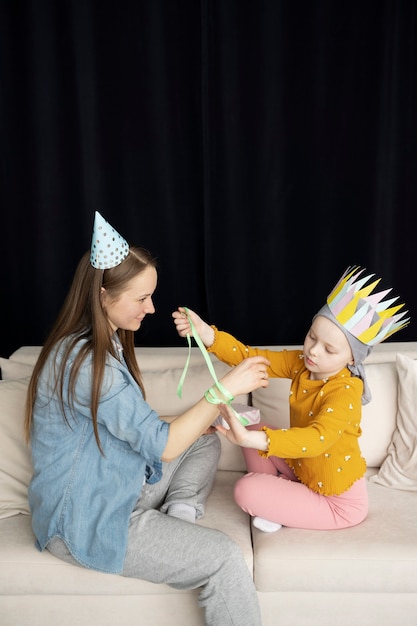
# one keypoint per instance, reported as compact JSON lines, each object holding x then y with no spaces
{"x":76,"y":493}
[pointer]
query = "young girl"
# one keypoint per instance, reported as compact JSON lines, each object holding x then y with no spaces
{"x":310,"y":475}
{"x":116,"y":488}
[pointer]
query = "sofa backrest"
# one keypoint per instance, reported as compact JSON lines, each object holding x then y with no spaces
{"x":162,"y":367}
{"x":161,"y":370}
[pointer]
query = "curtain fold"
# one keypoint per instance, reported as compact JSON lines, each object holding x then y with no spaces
{"x":256,"y":149}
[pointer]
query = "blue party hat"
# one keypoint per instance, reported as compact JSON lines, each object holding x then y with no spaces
{"x":108,"y":248}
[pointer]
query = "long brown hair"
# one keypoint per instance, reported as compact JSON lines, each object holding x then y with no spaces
{"x":82,"y":318}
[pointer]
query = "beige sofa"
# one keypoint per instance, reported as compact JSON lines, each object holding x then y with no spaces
{"x":366,"y":575}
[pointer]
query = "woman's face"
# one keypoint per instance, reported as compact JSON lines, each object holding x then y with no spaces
{"x":129,"y":309}
{"x":326,"y":349}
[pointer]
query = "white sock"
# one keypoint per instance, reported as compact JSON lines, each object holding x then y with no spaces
{"x":265,"y":525}
{"x":183,"y":511}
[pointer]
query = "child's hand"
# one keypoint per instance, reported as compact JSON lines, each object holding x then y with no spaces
{"x":205,"y":332}
{"x":238,"y":434}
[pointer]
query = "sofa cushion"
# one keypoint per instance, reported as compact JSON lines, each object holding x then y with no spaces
{"x":161,"y":393}
{"x":378,"y":417}
{"x":378,"y":554}
{"x":24,"y":570}
{"x":161,"y":388}
{"x":399,"y":469}
{"x":174,"y":356}
{"x":15,"y":463}
{"x":12,"y":370}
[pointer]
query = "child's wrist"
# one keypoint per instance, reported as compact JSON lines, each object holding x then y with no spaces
{"x":208,"y":335}
{"x":266,"y":442}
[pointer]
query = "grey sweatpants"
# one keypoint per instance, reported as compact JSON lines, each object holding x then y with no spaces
{"x":164,"y":549}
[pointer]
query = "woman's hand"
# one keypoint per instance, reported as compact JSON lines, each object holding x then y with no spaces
{"x":183,"y":431}
{"x":204,"y":330}
{"x":250,"y":374}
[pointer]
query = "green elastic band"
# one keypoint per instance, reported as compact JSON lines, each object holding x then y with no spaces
{"x":205,"y":355}
{"x":210,"y":395}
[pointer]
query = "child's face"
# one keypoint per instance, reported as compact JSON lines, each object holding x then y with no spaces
{"x":129,"y":309}
{"x":326,"y":349}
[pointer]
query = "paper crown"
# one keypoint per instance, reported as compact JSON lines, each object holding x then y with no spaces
{"x":108,"y":248}
{"x":362,"y":313}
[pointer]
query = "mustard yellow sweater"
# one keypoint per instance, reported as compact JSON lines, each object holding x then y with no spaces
{"x":321,"y":446}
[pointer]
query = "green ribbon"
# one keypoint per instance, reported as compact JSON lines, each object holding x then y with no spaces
{"x":210,"y":395}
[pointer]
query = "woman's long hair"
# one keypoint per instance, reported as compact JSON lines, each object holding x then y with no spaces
{"x":82,"y":318}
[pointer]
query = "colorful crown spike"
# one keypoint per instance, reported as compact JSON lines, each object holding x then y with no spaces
{"x":363,"y":313}
{"x":108,"y":248}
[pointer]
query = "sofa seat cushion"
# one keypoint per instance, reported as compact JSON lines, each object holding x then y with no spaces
{"x":26,"y":571}
{"x":378,"y":555}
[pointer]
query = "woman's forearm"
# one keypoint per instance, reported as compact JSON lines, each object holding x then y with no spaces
{"x":187,"y":427}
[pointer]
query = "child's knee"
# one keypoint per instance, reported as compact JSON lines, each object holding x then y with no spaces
{"x":243,"y":491}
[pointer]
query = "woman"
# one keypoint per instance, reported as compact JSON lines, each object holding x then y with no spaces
{"x":116,"y":488}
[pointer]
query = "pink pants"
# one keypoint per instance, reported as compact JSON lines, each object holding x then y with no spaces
{"x":272,"y":491}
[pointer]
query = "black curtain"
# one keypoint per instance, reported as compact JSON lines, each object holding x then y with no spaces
{"x":256,"y":148}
